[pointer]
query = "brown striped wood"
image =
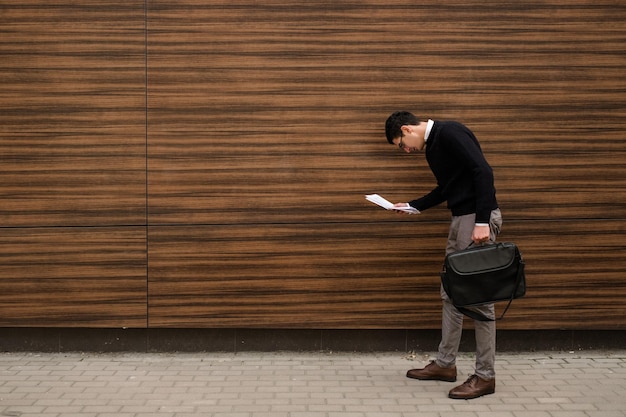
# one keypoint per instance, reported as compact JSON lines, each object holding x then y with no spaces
{"x":271,"y":115}
{"x":303,"y":276}
{"x":235,"y":141}
{"x":72,"y":113}
{"x":268,"y":108}
{"x":575,"y":275}
{"x":73,"y":277}
{"x":331,"y":276}
{"x":73,"y":153}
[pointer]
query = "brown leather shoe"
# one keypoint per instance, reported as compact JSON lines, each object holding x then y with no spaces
{"x":434,"y":372}
{"x":474,"y":387}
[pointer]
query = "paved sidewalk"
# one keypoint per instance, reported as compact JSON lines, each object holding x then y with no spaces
{"x":320,"y":384}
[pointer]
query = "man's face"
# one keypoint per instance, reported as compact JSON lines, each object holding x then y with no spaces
{"x":410,"y":140}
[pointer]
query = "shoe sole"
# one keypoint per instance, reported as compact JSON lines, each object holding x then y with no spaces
{"x":432,"y":379}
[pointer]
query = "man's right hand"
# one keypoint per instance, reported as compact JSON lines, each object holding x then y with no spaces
{"x":402,"y":205}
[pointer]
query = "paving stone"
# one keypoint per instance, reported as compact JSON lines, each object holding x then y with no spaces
{"x":296,"y":384}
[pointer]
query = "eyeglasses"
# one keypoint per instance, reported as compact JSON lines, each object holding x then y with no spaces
{"x":400,"y":144}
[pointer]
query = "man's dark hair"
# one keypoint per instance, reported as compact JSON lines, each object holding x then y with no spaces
{"x":396,"y":121}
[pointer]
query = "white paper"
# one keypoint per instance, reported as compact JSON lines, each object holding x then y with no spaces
{"x":386,"y":204}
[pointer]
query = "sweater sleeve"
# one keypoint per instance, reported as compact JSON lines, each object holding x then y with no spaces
{"x":431,"y":199}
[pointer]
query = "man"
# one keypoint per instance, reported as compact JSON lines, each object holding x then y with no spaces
{"x":465,"y":182}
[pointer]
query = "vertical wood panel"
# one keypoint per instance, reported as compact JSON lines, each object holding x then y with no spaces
{"x":72,"y":113}
{"x":72,"y":164}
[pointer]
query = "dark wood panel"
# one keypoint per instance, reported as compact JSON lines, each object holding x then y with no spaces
{"x":72,"y":113}
{"x":277,"y":124}
{"x":381,"y":275}
{"x":298,"y":276}
{"x":73,"y":277}
{"x":246,"y":134}
{"x":566,"y":184}
{"x":575,"y":275}
{"x":249,"y":122}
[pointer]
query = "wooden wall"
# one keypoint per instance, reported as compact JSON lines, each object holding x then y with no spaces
{"x":73,"y":168}
{"x":203,"y":163}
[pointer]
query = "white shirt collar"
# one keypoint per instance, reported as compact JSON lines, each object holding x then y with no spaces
{"x":429,"y":127}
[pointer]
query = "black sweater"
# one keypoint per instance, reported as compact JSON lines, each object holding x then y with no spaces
{"x":464,"y":178}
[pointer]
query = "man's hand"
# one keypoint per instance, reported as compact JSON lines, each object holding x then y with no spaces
{"x":402,"y":205}
{"x":480,"y":234}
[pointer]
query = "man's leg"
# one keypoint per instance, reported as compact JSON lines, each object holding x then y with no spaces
{"x":451,"y":331}
{"x":486,"y":330}
{"x":483,"y":382}
{"x":444,"y":368}
{"x":459,"y":237}
{"x":485,"y":343}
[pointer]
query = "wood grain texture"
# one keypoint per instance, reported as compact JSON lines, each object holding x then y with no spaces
{"x":265,"y":108}
{"x":73,"y":277}
{"x":271,"y":116}
{"x":73,"y":154}
{"x":72,"y":113}
{"x":575,"y":275}
{"x":232,"y":143}
{"x":329,"y":276}
{"x":302,"y":276}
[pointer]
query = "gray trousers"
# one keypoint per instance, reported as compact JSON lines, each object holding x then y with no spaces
{"x":460,"y":237}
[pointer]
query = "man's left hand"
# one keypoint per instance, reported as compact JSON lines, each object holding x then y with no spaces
{"x":480,"y":234}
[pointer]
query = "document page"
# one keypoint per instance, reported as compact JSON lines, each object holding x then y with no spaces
{"x":386,"y":204}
